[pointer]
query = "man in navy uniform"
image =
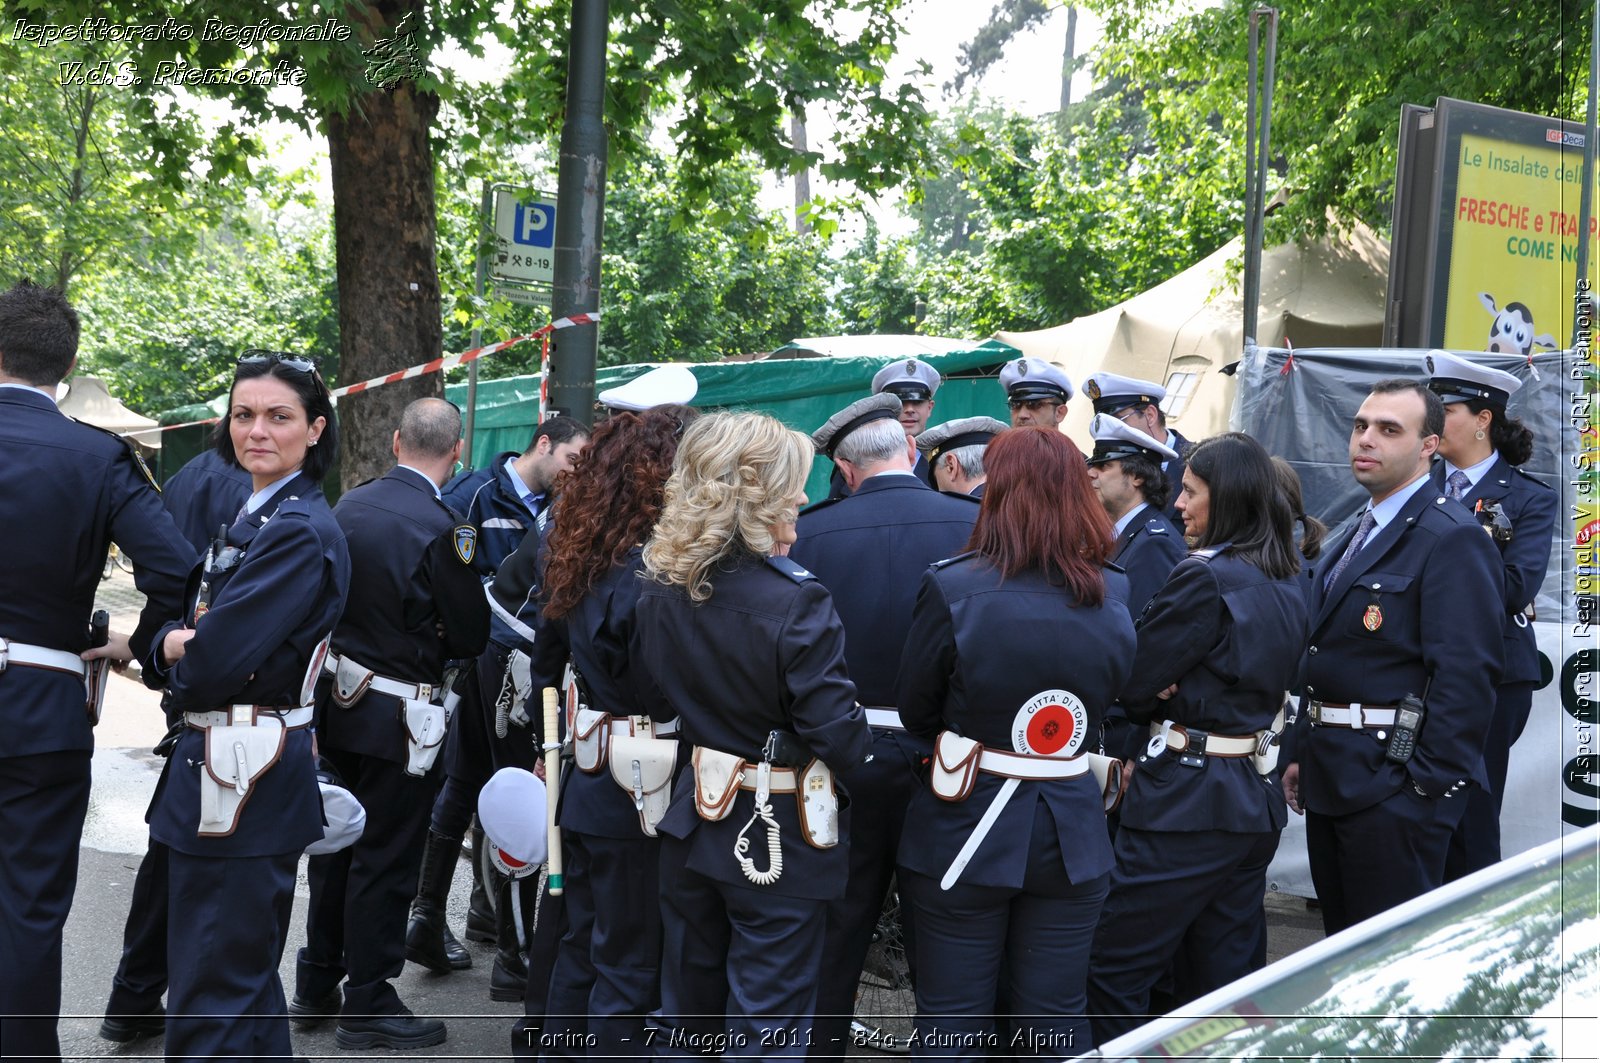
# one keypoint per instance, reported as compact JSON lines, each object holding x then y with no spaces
{"x":203,"y":497}
{"x":870,"y":550}
{"x":1410,"y":608}
{"x":415,"y":603}
{"x":1137,"y":403}
{"x":1036,"y":393}
{"x":914,"y":383}
{"x":68,"y":490}
{"x":954,"y":453}
{"x":1125,"y":469}
{"x":1519,"y":513}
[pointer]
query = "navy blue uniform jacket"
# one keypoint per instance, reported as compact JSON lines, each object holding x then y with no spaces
{"x":1174,"y":470}
{"x":204,"y":496}
{"x":979,"y":650}
{"x":597,"y":634}
{"x":876,"y":544}
{"x":409,"y":576}
{"x":253,"y":646}
{"x":68,"y":490}
{"x":1419,"y":608}
{"x":1230,"y":638}
{"x":1147,"y":550}
{"x":765,"y":652}
{"x":1531,"y":507}
{"x":487,"y":499}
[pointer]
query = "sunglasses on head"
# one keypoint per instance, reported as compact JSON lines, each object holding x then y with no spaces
{"x":257,"y":356}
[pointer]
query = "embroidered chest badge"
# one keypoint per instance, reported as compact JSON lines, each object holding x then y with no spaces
{"x":1372,"y":619}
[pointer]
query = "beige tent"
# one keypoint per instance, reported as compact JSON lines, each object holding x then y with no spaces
{"x":88,"y":400}
{"x":1185,"y":329}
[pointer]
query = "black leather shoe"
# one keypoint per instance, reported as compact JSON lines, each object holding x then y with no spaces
{"x":404,"y":1030}
{"x":304,"y":1012}
{"x":125,"y":1028}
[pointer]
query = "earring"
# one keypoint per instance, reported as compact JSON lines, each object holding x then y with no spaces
{"x":1479,"y":436}
{"x":314,"y":442}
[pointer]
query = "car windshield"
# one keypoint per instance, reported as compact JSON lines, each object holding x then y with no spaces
{"x":1488,"y":976}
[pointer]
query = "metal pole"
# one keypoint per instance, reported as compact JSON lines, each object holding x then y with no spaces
{"x":1256,"y":182}
{"x":580,"y":205}
{"x":1581,"y":291}
{"x":481,"y":258}
{"x":1251,"y":88}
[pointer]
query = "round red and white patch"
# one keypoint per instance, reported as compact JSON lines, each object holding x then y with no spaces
{"x":1052,"y":723}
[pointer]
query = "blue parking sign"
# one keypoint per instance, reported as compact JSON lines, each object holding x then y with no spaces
{"x":534,"y":225}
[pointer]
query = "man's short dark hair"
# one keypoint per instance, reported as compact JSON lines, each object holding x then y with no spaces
{"x":1153,"y":483}
{"x":430,"y":427}
{"x":1432,"y":405}
{"x":559,"y":429}
{"x":38,"y":334}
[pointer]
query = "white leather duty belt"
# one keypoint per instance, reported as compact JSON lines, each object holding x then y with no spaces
{"x":883,"y":716}
{"x":293,"y":718}
{"x":1181,"y":739}
{"x":382,"y":683}
{"x":1022,"y":766}
{"x":1355,"y":715}
{"x":627,"y":727}
{"x":20,"y":653}
{"x":783,"y":780}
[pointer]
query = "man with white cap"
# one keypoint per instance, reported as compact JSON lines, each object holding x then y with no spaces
{"x":1480,"y":452}
{"x":1125,"y":469}
{"x":665,"y":385}
{"x":914,"y":383}
{"x":870,"y":550}
{"x":954,"y":452}
{"x":1036,"y":392}
{"x":1138,"y":403}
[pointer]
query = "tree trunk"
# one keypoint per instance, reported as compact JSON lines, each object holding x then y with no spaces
{"x":384,"y":225}
{"x":1067,"y":56}
{"x":802,"y":176}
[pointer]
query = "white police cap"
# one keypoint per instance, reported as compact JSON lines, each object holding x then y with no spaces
{"x":1454,"y":379}
{"x":662,"y":386}
{"x":512,"y":810}
{"x":911,"y":380}
{"x":1030,"y":379}
{"x":346,"y":819}
{"x":884,"y":406}
{"x":1110,"y":392}
{"x":1114,"y":441}
{"x":962,"y":432}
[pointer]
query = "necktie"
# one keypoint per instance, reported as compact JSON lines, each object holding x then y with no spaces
{"x":1457,"y":486}
{"x":1364,"y":529}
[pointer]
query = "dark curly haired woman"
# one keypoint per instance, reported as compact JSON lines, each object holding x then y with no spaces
{"x":607,"y":964}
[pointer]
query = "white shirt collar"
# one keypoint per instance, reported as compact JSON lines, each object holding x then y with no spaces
{"x":1474,"y":472}
{"x":255,"y":501}
{"x":1385,"y":511}
{"x":1128,"y":517}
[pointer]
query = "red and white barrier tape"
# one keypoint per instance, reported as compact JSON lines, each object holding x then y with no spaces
{"x":449,"y":361}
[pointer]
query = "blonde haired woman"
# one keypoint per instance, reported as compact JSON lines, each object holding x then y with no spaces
{"x":746,"y":647}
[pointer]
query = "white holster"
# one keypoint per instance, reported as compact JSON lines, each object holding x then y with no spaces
{"x":955,"y":766}
{"x":350,"y":682}
{"x":819,"y":806}
{"x":591,"y":737}
{"x":425,"y":727}
{"x":237,"y":754}
{"x":716,"y":780}
{"x":644,"y":767}
{"x":1268,"y":744}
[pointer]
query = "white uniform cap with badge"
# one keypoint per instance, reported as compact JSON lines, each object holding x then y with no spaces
{"x":665,"y":385}
{"x":884,"y":406}
{"x":1114,"y":440}
{"x":1030,"y":379}
{"x":1111,"y":393}
{"x":512,"y":810}
{"x":1454,"y":379}
{"x":962,"y":432}
{"x":911,"y":380}
{"x":346,"y":819}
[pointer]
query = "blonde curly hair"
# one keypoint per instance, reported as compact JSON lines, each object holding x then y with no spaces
{"x":736,"y":475}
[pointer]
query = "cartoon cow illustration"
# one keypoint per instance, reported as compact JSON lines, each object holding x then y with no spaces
{"x":1512,"y":331}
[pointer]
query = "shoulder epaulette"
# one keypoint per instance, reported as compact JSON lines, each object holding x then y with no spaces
{"x":1156,"y":525}
{"x":824,"y":504}
{"x":131,"y":447}
{"x":953,"y":560}
{"x":793,"y":569}
{"x":1518,"y":470}
{"x":1206,"y":553}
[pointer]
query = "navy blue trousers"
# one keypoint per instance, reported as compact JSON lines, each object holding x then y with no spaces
{"x":43,"y":800}
{"x":1194,"y":893}
{"x":739,"y":966}
{"x":880,"y":789}
{"x":1369,"y":861}
{"x":607,"y":975}
{"x":228,"y":920}
{"x":1475,"y":844}
{"x":141,"y":975}
{"x":360,"y":896}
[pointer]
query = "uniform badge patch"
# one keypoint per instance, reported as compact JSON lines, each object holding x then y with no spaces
{"x":1372,"y":619}
{"x":466,"y":542}
{"x":1091,"y":388}
{"x":1052,"y":723}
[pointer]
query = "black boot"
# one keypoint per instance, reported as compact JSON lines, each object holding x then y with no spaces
{"x":480,"y":913}
{"x":509,"y":979}
{"x":429,"y":941}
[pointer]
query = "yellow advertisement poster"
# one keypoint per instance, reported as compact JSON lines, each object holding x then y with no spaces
{"x":1513,"y":260}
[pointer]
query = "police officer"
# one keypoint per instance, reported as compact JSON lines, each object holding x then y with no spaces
{"x":914,"y":383}
{"x":69,"y":489}
{"x":1138,"y":403}
{"x":1481,"y":449}
{"x":1036,"y":392}
{"x":1406,"y":649}
{"x":745,"y":645}
{"x":202,"y":496}
{"x":954,"y":452}
{"x":415,"y":603}
{"x":1126,"y":471}
{"x":870,"y":550}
